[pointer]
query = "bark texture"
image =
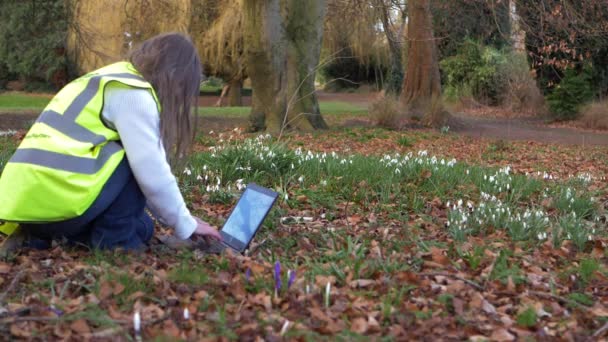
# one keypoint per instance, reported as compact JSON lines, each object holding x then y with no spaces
{"x":421,"y":93}
{"x":283,"y":43}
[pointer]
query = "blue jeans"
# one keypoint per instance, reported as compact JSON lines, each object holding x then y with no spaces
{"x":117,"y":218}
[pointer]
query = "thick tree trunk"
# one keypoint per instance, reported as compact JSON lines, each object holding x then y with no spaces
{"x":266,"y":43}
{"x":421,"y":93}
{"x":305,"y":34}
{"x":235,"y":99}
{"x":283,"y":39}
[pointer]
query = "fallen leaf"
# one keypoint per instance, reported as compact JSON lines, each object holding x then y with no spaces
{"x":118,"y":288}
{"x":136,"y":295}
{"x":80,"y":326}
{"x":105,"y":290}
{"x":361,"y":283}
{"x":21,"y":329}
{"x":502,"y":335}
{"x":5,"y":268}
{"x":438,"y":256}
{"x":359,"y":325}
{"x":321,"y":280}
{"x":599,"y":310}
{"x":487,"y":307}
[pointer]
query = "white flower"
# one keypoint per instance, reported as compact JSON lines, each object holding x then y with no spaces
{"x":301,"y":179}
{"x":187,"y":171}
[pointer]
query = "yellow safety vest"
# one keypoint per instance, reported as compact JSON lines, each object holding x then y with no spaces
{"x":68,"y":155}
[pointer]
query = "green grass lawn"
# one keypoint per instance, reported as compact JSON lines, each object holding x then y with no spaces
{"x":22,"y":101}
{"x":11,"y":102}
{"x":327,"y":108}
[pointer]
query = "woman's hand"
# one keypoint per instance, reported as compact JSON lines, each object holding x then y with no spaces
{"x":203,"y":228}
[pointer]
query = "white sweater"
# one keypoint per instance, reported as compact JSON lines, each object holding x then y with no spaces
{"x":133,"y":113}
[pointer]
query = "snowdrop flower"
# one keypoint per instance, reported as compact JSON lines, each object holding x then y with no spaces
{"x":187,"y":171}
{"x":136,"y":322}
{"x":301,"y":179}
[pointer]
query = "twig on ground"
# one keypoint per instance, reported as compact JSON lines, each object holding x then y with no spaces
{"x":599,"y":332}
{"x":11,"y":286}
{"x":470,"y":282}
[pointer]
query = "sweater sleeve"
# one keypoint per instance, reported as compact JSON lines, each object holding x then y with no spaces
{"x":134,"y":114}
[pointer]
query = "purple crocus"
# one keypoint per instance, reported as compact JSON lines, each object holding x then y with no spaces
{"x":292,"y":278}
{"x":277,"y":276}
{"x":248,"y":274}
{"x":56,"y":311}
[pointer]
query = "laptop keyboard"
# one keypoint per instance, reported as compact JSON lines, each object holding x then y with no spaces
{"x":212,"y":246}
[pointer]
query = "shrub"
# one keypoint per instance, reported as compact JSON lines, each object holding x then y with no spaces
{"x":571,"y":94}
{"x":595,"y":115}
{"x":33,"y":38}
{"x":474,"y":71}
{"x":521,"y":93}
{"x":384,"y":111}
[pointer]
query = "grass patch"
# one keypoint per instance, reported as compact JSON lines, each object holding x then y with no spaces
{"x":22,"y":101}
{"x":327,"y":108}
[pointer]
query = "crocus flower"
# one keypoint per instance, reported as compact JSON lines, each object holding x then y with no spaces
{"x":277,"y":276}
{"x":292,"y":277}
{"x":248,"y":274}
{"x":56,"y":311}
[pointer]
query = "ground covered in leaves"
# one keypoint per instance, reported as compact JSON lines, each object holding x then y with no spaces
{"x":385,"y":235}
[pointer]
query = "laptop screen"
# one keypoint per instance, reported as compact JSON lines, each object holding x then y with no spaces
{"x":248,"y":214}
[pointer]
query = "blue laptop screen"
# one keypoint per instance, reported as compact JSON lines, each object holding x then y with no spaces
{"x":248,"y":215}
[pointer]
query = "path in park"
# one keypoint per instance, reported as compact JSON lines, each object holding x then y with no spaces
{"x":532,"y":129}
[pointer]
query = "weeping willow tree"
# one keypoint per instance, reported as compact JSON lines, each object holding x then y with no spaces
{"x":218,"y":31}
{"x":369,"y":33}
{"x":101,"y":32}
{"x":283,"y":44}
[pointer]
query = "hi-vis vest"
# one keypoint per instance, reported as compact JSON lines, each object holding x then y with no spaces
{"x":67,"y":156}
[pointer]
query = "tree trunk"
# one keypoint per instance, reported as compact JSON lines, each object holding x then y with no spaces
{"x":266,"y":62}
{"x":518,"y":35}
{"x":305,"y":34}
{"x":395,"y":76}
{"x":220,"y":101}
{"x":235,"y":99}
{"x":283,"y":41}
{"x":422,"y":84}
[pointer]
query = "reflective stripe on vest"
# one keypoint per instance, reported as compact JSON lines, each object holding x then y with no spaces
{"x":58,"y":161}
{"x":67,"y":125}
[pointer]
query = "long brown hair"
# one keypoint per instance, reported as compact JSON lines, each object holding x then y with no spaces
{"x":171,"y":64}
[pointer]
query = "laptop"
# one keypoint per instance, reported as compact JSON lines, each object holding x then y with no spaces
{"x":241,"y":226}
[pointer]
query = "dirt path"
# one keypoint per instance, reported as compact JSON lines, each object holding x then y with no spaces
{"x":525,"y":129}
{"x":508,"y":129}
